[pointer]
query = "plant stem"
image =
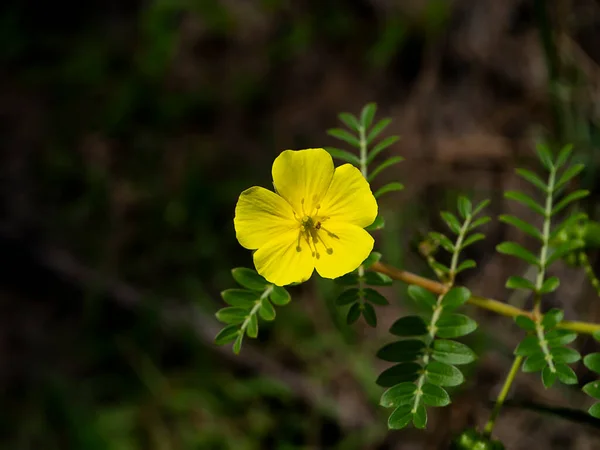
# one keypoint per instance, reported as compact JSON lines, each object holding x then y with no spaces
{"x":363,"y":150}
{"x":481,"y":302}
{"x":502,"y":396}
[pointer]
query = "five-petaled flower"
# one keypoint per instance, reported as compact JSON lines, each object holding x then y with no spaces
{"x":316,"y":218}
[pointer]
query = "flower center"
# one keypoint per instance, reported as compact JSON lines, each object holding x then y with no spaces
{"x":312,"y":232}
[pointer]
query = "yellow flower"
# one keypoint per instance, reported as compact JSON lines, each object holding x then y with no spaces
{"x":314,"y":220}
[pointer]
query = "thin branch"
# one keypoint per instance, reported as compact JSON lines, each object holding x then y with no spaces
{"x":481,"y":302}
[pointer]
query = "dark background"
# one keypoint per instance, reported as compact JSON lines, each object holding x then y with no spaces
{"x":127,"y":131}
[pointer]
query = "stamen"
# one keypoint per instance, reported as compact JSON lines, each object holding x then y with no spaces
{"x":298,"y":248}
{"x":328,"y":249}
{"x":302,"y":203}
{"x":333,"y":235}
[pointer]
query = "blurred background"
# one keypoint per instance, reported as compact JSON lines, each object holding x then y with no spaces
{"x":129,"y":128}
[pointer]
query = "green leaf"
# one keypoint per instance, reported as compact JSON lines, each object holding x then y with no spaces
{"x":376,"y":131}
{"x":545,"y":156}
{"x":367,"y":114}
{"x":533,"y":179}
{"x":402,"y":351}
{"x":353,"y":313}
{"x":374,"y":297}
{"x":595,"y":411}
{"x":573,"y":196}
{"x":390,"y":187}
{"x":516,"y":250}
{"x":452,"y":352}
{"x":521,"y":225}
{"x":566,"y":375}
{"x":345,"y":136}
{"x":279,"y":296}
{"x":534,"y":363}
{"x":455,"y":297}
{"x":451,"y":221}
{"x":398,"y":395}
{"x":343,"y":155}
{"x":249,"y":279}
{"x":377,"y":279}
{"x":409,"y":326}
{"x":528,"y":347}
{"x":439,"y":267}
{"x":241,"y":298}
{"x":465,"y":207}
{"x":350,"y":121}
{"x":552,"y":318}
{"x":565,"y":355}
{"x":472,"y":239}
{"x":592,"y":362}
{"x":398,"y":374}
{"x":377,"y":224}
{"x":563,"y":155}
{"x":567,"y":223}
{"x":369,"y":314}
{"x":592,"y":389}
{"x":442,"y":240}
{"x":237,"y":345}
{"x":479,"y":222}
{"x":454,"y":325}
{"x":232,"y":315}
{"x":550,"y":285}
{"x":227,"y":335}
{"x":525,"y":200}
{"x":371,"y":259}
{"x":422,"y":296}
{"x":596,"y":335}
{"x":516,"y":282}
{"x":420,"y":417}
{"x":525,"y":323}
{"x":557,"y":337}
{"x":483,"y":204}
{"x":568,"y":175}
{"x":385,"y":143}
{"x":347,"y":297}
{"x":434,"y":395}
{"x":350,"y":279}
{"x":443,"y":374}
{"x":548,"y":377}
{"x":252,"y":328}
{"x":400,"y":418}
{"x":562,"y":250}
{"x":266,"y":311}
{"x":466,"y":264}
{"x":384,"y":165}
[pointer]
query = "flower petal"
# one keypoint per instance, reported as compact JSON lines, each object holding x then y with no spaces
{"x":349,"y":198}
{"x":281,"y":263}
{"x":303,"y":174}
{"x":351,"y":246}
{"x":260,"y":216}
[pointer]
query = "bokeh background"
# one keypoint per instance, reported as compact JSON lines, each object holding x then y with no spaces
{"x":129,"y":128}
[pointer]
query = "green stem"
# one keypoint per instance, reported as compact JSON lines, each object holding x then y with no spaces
{"x":363,"y":150}
{"x":545,"y":243}
{"x":503,"y":394}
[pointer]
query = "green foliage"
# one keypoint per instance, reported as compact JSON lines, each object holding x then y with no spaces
{"x":427,"y":357}
{"x":592,"y":362}
{"x":246,"y":305}
{"x":361,"y":133}
{"x":545,"y":347}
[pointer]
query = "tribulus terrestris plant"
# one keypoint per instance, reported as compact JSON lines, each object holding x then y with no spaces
{"x":319,"y":217}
